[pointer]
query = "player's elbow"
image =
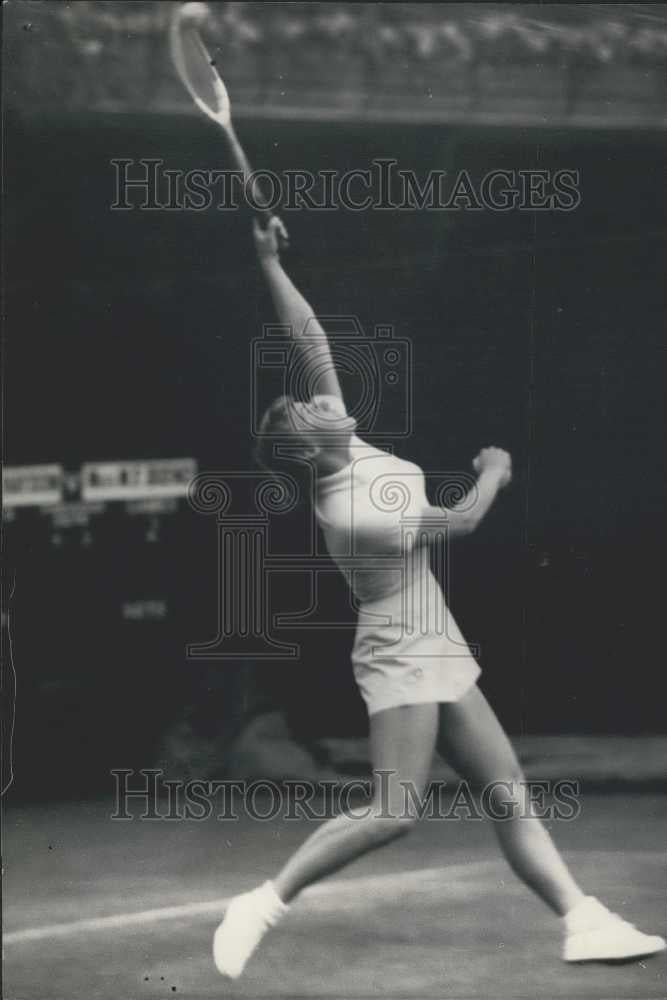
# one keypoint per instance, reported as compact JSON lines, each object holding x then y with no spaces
{"x":463,"y":524}
{"x":440,"y":521}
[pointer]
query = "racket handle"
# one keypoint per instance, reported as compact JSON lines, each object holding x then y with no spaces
{"x":263,"y":212}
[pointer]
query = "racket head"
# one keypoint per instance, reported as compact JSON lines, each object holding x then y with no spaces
{"x":196,"y":69}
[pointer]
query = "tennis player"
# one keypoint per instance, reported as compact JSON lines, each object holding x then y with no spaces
{"x":411,"y":663}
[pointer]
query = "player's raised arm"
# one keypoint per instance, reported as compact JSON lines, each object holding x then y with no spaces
{"x":494,"y":471}
{"x":294,"y":311}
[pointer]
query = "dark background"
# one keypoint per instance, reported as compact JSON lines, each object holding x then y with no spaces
{"x":127,"y":336}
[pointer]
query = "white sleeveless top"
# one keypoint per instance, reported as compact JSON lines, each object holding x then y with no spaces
{"x":369,"y":511}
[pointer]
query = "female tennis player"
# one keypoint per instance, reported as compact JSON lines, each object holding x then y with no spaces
{"x":417,"y":677}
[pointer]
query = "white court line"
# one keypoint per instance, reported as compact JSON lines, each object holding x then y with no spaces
{"x":119,"y":921}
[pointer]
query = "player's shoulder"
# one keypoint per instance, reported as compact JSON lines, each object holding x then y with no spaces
{"x":361,"y":449}
{"x":383,"y":456}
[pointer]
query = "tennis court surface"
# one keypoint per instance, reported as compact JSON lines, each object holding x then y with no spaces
{"x":97,"y":909}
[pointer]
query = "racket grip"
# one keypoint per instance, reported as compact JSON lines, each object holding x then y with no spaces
{"x":266,"y":216}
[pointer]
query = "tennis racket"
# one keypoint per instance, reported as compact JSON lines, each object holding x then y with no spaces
{"x":202,"y":81}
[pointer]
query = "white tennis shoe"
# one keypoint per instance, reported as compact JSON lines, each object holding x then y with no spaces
{"x":247,"y":919}
{"x":595,"y":934}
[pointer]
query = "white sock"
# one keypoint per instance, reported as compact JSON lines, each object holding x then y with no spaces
{"x":247,"y":919}
{"x":269,"y":904}
{"x":584,"y":915}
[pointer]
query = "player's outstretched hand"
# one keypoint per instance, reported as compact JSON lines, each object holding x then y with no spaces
{"x":268,"y":238}
{"x":494,"y":460}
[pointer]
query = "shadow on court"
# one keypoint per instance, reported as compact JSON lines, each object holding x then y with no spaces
{"x":96,"y":908}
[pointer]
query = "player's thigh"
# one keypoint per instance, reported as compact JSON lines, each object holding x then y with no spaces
{"x":402,"y":743}
{"x":473,"y":742}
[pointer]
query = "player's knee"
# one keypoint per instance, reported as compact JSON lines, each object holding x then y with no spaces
{"x":392,"y":826}
{"x":400,"y":826}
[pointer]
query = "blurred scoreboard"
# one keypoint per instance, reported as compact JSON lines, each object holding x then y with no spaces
{"x":102,"y":481}
{"x":76,"y":500}
{"x":32,"y":485}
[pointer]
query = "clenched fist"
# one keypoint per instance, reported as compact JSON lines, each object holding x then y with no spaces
{"x":268,"y":239}
{"x":495,"y":460}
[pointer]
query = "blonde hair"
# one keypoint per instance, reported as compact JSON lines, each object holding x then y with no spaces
{"x":277,"y":423}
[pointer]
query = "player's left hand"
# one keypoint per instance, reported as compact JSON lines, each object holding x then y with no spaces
{"x":495,"y":460}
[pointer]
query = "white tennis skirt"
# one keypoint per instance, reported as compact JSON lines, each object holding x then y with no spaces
{"x":408,"y":649}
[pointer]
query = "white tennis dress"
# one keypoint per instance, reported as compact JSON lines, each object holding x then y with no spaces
{"x":407,"y":649}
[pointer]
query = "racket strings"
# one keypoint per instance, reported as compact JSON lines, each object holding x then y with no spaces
{"x":197,"y":70}
{"x":200,"y":77}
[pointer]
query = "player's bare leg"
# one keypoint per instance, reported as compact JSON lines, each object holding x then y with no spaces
{"x":474,"y":742}
{"x":402,"y":741}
